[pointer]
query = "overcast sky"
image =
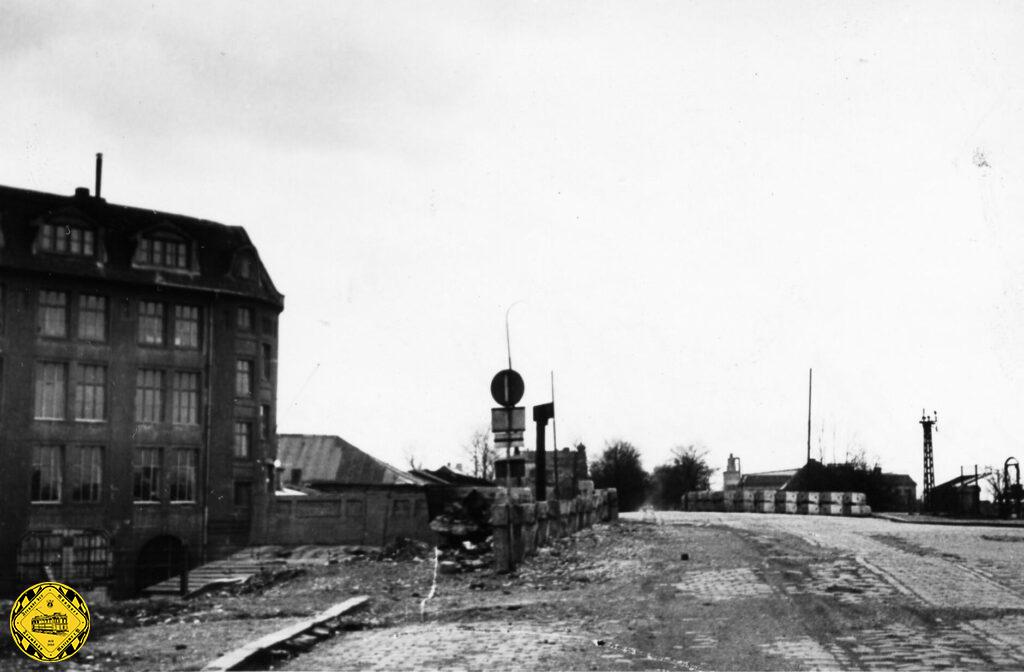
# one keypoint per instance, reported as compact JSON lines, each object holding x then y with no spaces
{"x":691,"y":202}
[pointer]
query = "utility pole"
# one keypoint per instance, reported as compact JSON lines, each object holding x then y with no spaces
{"x":810,"y":385}
{"x":927,"y":422}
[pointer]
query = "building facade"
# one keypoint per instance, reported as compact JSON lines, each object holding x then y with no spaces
{"x":138,"y":357}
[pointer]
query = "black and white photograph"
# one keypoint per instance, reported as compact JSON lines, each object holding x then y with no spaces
{"x":511,"y":335}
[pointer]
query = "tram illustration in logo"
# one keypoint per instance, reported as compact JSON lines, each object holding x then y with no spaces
{"x":53,"y":624}
{"x":50,"y":622}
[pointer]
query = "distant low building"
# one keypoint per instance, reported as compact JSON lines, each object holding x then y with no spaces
{"x":768,"y":480}
{"x":884,"y":491}
{"x":315,"y":458}
{"x":733,"y":477}
{"x":332,"y":492}
{"x":565,"y":470}
{"x":448,"y":476}
{"x":901,"y":493}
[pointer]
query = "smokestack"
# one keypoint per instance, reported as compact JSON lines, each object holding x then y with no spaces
{"x":99,"y":172}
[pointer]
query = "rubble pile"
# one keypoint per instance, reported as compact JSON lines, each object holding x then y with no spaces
{"x":403,"y":549}
{"x":466,"y":556}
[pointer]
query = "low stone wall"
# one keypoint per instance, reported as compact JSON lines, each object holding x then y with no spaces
{"x":746,"y":500}
{"x":521,"y":527}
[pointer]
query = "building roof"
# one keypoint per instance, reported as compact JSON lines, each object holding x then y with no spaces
{"x":767,"y":479}
{"x":899,"y":479}
{"x":962,"y":481}
{"x":332,"y":458}
{"x":216,"y":250}
{"x":448,"y":476}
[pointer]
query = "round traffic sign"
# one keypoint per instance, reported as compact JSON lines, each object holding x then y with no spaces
{"x":507,"y":388}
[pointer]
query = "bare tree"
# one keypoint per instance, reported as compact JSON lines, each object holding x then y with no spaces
{"x":410,"y":457}
{"x":481,"y":453}
{"x":994,"y":480}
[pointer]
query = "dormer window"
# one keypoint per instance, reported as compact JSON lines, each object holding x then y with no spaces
{"x":163,"y":251}
{"x":245,"y":268}
{"x":67,"y":239}
{"x":244,"y":265}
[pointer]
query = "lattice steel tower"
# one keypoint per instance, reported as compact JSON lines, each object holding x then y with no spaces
{"x":927,"y":421}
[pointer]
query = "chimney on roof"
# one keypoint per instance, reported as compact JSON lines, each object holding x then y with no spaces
{"x":99,"y":172}
{"x":81,"y":192}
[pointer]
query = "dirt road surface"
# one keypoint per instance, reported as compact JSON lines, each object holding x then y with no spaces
{"x":753,"y":591}
{"x":756,"y":592}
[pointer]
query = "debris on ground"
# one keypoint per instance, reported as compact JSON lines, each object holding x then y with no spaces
{"x":403,"y":548}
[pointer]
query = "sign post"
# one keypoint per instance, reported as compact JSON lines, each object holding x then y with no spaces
{"x":508,"y":424}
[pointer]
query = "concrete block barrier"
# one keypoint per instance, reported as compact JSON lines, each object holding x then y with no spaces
{"x":751,"y":500}
{"x":808,"y":498}
{"x":782,"y":497}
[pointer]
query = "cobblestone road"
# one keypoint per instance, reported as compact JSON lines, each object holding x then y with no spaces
{"x":761,"y":591}
{"x":950,"y":572}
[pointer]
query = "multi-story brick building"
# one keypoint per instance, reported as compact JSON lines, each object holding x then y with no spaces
{"x":138,"y":383}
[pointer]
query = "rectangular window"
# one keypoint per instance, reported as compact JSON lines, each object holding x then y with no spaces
{"x":268,"y":361}
{"x":91,"y":393}
{"x":46,"y":474}
{"x":180,"y":255}
{"x":245,"y":319}
{"x":144,"y":251}
{"x":185,"y":398}
{"x":53,"y":314}
{"x":146,"y":475}
{"x":92,"y":318}
{"x":151,"y":323}
{"x":186,"y":327}
{"x":265,"y":425}
{"x":162,"y":252}
{"x":181,"y":477}
{"x":243,"y":378}
{"x":149,"y":395}
{"x":48,"y":238}
{"x":67,"y":239}
{"x":51,"y":390}
{"x":85,"y":472}
{"x":243,"y":440}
